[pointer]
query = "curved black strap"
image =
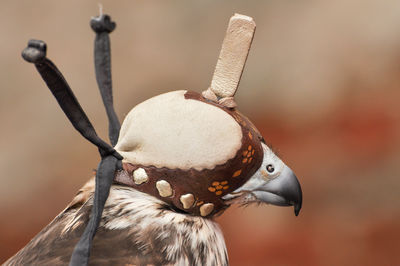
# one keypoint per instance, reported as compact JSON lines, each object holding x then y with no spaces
{"x":104,"y":178}
{"x":103,"y":25}
{"x":111,"y":159}
{"x":36,"y":53}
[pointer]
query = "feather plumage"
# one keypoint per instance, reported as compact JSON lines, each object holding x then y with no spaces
{"x":136,"y":229}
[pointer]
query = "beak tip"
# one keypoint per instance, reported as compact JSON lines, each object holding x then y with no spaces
{"x":297,"y":206}
{"x":299,"y":201}
{"x":297,"y":210}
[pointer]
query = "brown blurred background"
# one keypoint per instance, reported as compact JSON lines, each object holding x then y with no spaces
{"x":322,"y":83}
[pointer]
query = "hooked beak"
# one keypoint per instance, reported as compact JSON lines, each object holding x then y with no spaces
{"x":284,"y":190}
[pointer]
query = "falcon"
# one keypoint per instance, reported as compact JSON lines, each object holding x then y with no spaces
{"x":178,"y":160}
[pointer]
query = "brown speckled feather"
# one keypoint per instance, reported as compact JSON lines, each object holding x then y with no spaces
{"x":136,"y":229}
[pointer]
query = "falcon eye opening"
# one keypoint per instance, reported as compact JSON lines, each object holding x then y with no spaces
{"x":270,"y":168}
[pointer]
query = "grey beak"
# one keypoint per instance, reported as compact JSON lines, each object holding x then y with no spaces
{"x":284,"y":190}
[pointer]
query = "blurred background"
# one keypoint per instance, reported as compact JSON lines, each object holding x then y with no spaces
{"x":322,"y":83}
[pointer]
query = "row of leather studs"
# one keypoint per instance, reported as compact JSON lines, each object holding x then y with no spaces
{"x":165,"y":190}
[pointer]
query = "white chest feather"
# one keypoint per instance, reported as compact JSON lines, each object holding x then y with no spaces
{"x":149,"y":224}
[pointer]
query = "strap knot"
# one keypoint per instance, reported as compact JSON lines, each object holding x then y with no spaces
{"x":228,"y":102}
{"x":102,"y":23}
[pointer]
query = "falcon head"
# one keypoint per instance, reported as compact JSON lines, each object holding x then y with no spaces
{"x":273,"y":183}
{"x":200,"y":155}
